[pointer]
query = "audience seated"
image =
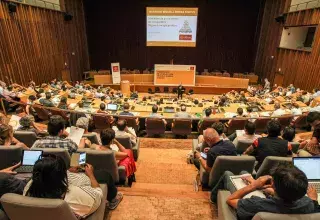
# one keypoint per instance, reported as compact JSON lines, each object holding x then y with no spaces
{"x":288,"y":133}
{"x":47,"y":100}
{"x":81,"y":191}
{"x":126,"y":108}
{"x":7,"y":139}
{"x":284,"y":180}
{"x":216,"y":148}
{"x":29,"y":109}
{"x":155,"y":114}
{"x":123,"y":131}
{"x":125,"y":156}
{"x":278,"y":111}
{"x":248,"y":135}
{"x":27,"y":124}
{"x":271,"y":145}
{"x":183,"y":113}
{"x":63,"y":103}
{"x":83,"y":123}
{"x":56,"y":129}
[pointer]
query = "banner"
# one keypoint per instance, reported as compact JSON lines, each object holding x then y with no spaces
{"x":115,"y":68}
{"x":172,"y":75}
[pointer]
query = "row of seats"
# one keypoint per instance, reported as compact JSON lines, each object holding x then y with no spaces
{"x":102,"y":161}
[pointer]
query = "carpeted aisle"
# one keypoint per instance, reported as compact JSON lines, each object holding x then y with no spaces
{"x":164,"y":187}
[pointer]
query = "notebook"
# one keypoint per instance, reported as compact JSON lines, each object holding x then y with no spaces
{"x":239,"y":184}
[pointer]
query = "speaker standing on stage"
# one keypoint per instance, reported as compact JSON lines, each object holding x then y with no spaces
{"x":180,"y":91}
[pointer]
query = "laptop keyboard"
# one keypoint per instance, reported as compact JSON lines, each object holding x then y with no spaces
{"x":24,"y":169}
{"x":316,"y":185}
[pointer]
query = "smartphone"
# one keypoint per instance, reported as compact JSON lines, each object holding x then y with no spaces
{"x":82,"y":159}
{"x":203,"y":155}
{"x":78,"y":160}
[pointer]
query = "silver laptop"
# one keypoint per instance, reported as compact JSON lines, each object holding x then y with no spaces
{"x":29,"y":158}
{"x":311,"y":167}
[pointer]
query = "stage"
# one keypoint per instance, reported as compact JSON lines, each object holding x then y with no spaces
{"x":203,"y":84}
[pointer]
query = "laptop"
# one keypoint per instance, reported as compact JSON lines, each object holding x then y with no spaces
{"x":112,"y":107}
{"x":29,"y":158}
{"x":311,"y":167}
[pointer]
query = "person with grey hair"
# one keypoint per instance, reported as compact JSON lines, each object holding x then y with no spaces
{"x":27,"y":124}
{"x":91,"y":137}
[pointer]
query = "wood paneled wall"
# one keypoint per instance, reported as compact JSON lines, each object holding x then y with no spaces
{"x":298,"y":67}
{"x":36,"y":43}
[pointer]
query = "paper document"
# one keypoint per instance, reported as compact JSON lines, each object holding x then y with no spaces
{"x":239,"y":184}
{"x":75,"y":134}
{"x":14,"y":122}
{"x":240,"y":133}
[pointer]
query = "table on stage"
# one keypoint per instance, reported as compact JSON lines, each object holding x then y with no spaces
{"x":203,"y":84}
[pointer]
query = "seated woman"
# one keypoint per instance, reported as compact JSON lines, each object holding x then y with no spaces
{"x":83,"y":123}
{"x":81,"y":191}
{"x":125,"y":156}
{"x":27,"y":124}
{"x":7,"y":139}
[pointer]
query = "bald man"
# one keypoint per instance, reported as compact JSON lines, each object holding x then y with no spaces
{"x":217,"y":147}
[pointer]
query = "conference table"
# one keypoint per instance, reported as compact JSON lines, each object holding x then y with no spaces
{"x":203,"y":84}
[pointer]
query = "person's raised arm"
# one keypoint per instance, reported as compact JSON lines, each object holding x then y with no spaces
{"x":120,"y":146}
{"x":89,"y":173}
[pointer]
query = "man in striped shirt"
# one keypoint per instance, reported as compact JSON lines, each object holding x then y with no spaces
{"x":56,"y":128}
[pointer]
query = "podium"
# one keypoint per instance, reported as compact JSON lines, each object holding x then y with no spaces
{"x":125,"y":88}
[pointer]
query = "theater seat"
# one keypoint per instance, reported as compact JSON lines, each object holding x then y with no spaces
{"x":42,"y":113}
{"x":20,"y":207}
{"x":101,"y":121}
{"x":269,"y":163}
{"x":126,"y":142}
{"x":9,"y":156}
{"x":207,"y":122}
{"x":181,"y":126}
{"x":243,"y":145}
{"x":131,"y":122}
{"x":235,"y":164}
{"x":105,"y":161}
{"x":155,"y":126}
{"x":26,"y":137}
{"x":225,"y":212}
{"x":236,"y":124}
{"x":60,"y":152}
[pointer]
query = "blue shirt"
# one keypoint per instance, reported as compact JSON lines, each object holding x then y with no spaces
{"x":221,"y":148}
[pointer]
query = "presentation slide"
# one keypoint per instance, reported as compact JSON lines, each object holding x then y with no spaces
{"x":173,"y":75}
{"x":172,"y":27}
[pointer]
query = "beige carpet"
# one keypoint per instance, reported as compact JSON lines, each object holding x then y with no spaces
{"x":164,"y":187}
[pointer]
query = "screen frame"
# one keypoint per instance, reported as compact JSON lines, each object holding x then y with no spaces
{"x":172,"y":43}
{"x":305,"y":158}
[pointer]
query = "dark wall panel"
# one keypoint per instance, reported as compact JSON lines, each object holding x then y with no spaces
{"x":226,"y":34}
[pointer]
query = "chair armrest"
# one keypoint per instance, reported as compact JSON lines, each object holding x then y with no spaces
{"x":204,"y":176}
{"x":224,"y":210}
{"x":194,"y":144}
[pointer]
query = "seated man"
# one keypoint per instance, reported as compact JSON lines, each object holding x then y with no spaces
{"x":123,"y":131}
{"x":286,"y":189}
{"x":271,"y":145}
{"x":155,"y":114}
{"x":278,"y":111}
{"x":249,"y":133}
{"x":219,"y":127}
{"x":182,"y":113}
{"x":207,"y":114}
{"x":46,"y":102}
{"x":126,"y":112}
{"x":56,"y":128}
{"x":217,"y":147}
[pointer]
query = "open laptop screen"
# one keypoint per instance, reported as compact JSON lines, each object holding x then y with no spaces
{"x":112,"y":107}
{"x":309,"y":165}
{"x":31,"y":157}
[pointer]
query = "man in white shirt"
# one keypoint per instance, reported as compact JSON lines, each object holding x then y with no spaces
{"x":183,"y":113}
{"x":277,"y":110}
{"x":155,"y":114}
{"x":249,"y":133}
{"x":296,"y":110}
{"x":123,"y":131}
